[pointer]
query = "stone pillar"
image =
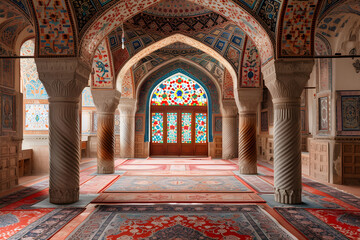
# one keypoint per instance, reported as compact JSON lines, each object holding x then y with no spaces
{"x":249,"y":100}
{"x":285,"y":80}
{"x":229,"y":127}
{"x":106,"y":102}
{"x":64,"y":79}
{"x":127,"y":108}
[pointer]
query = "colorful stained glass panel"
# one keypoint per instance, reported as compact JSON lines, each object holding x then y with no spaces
{"x":179,"y":90}
{"x":157,"y":127}
{"x":186,"y":127}
{"x":171,"y":127}
{"x":200,"y":128}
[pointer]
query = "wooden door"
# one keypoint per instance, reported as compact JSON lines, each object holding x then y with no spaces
{"x":179,"y":131}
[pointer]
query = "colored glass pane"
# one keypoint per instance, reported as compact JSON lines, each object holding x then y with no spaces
{"x":200,"y":128}
{"x":157,"y":121}
{"x":179,"y":90}
{"x":171,"y":127}
{"x":186,"y":127}
{"x":32,"y":86}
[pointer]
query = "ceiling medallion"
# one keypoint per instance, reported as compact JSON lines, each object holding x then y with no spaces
{"x":356,"y":65}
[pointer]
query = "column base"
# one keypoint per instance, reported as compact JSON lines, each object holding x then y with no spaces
{"x":245,"y":168}
{"x":105,"y":170}
{"x":288,"y":196}
{"x":63,"y":196}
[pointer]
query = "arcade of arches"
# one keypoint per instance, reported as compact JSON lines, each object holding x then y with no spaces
{"x":241,"y":80}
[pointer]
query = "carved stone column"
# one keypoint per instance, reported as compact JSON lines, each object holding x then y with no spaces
{"x":249,"y":100}
{"x":127,"y":108}
{"x":64,"y":79}
{"x":106,"y":102}
{"x":229,"y":134}
{"x":285,"y":80}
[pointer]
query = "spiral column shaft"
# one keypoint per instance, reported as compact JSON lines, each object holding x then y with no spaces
{"x":127,"y":108}
{"x":247,"y":143}
{"x":64,"y":149}
{"x":287,"y":151}
{"x":106,"y":143}
{"x":285,"y":79}
{"x":229,"y":140}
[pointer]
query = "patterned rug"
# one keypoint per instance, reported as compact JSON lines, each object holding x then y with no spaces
{"x":308,"y":201}
{"x":97,"y":183}
{"x":312,"y":227}
{"x":177,"y":184}
{"x":27,"y":191}
{"x":208,"y":167}
{"x":346,"y":222}
{"x":179,"y":222}
{"x":34,"y":224}
{"x":260,"y":185}
{"x":139,"y":167}
{"x":176,"y":161}
{"x":178,"y":198}
{"x":178,"y":173}
{"x":345,"y":197}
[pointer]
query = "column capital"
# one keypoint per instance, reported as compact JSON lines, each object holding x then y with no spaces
{"x":127,"y":107}
{"x":249,"y":99}
{"x":106,"y":100}
{"x":229,"y":108}
{"x":286,"y":78}
{"x":63,"y":78}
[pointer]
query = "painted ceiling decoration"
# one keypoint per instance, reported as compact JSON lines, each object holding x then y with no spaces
{"x":228,"y":41}
{"x":12,"y":22}
{"x":103,"y":75}
{"x":114,"y":16}
{"x":167,"y":53}
{"x":298,"y":21}
{"x":250,"y":69}
{"x":56,"y":32}
{"x":340,"y":26}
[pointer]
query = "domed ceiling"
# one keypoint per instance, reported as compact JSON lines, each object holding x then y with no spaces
{"x":180,"y":8}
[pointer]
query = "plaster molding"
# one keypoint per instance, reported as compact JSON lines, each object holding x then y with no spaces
{"x":229,"y":109}
{"x":127,"y":107}
{"x":106,"y":100}
{"x":249,"y":99}
{"x":63,"y":77}
{"x":286,"y":78}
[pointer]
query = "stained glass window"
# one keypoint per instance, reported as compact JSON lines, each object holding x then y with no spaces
{"x":171,"y":127}
{"x":32,"y":86}
{"x":186,"y":127}
{"x":200,"y":128}
{"x":157,"y":120}
{"x":179,"y":90}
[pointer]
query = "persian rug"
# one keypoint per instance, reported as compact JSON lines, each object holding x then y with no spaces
{"x":177,"y":184}
{"x":257,"y":183}
{"x":345,"y":197}
{"x":199,"y":158}
{"x":217,"y":167}
{"x":178,"y":173}
{"x":128,"y":167}
{"x":28,"y":201}
{"x":27,"y":191}
{"x":308,"y":201}
{"x":13,"y":221}
{"x":47,"y":225}
{"x":309,"y":225}
{"x":346,"y":222}
{"x":178,"y":198}
{"x":179,"y":222}
{"x":176,"y":161}
{"x":97,"y":183}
